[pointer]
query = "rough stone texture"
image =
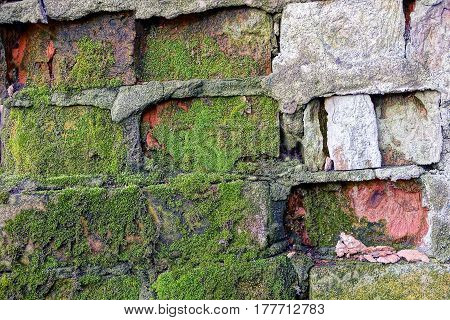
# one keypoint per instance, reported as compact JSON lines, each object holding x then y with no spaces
{"x":136,"y":98}
{"x":429,"y":42}
{"x":103,"y":98}
{"x":211,"y":134}
{"x":372,"y":281}
{"x":18,"y":202}
{"x":398,"y":206}
{"x":60,"y":53}
{"x":313,"y":140}
{"x":376,"y":212}
{"x":437,"y":199}
{"x":302,"y":264}
{"x":258,"y":222}
{"x":352,"y":132}
{"x":3,"y":70}
{"x":231,"y":43}
{"x":409,"y":128}
{"x":341,"y":32}
{"x":298,"y":84}
{"x":22,"y":11}
{"x":298,"y":175}
{"x":72,"y":9}
{"x":292,"y":129}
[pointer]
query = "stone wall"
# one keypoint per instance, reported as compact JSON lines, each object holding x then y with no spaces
{"x":217,"y":149}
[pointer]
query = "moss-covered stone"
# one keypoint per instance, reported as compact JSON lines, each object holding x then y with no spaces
{"x":126,"y":287}
{"x":366,"y":281}
{"x":223,"y":44}
{"x":207,"y":246}
{"x":4,"y":196}
{"x":91,"y":68}
{"x":260,"y":279}
{"x":94,"y":52}
{"x":199,"y":218}
{"x":212,"y":135}
{"x":45,"y":140}
{"x":79,"y":228}
{"x":327,"y":216}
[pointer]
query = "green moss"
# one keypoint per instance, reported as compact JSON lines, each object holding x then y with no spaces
{"x":205,"y":246}
{"x":80,"y":227}
{"x":199,"y":218}
{"x":196,"y":56}
{"x":91,"y":69}
{"x":259,"y":279}
{"x":38,"y":95}
{"x":63,"y":289}
{"x":326,"y":216}
{"x":46,"y":140}
{"x":365,"y":281}
{"x":124,"y":287}
{"x":215,"y":133}
{"x":4,"y":196}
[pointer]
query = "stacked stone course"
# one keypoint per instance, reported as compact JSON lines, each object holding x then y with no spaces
{"x":216,"y":149}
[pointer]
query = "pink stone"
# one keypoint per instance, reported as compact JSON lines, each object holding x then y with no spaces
{"x":348,"y":245}
{"x":392,"y":258}
{"x":369,"y":258}
{"x":400,"y":206}
{"x":413,"y":255}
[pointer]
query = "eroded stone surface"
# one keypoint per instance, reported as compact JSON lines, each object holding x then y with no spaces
{"x":399,"y":206}
{"x":429,"y":42}
{"x":211,"y":134}
{"x":409,"y":128}
{"x":374,"y":281}
{"x":313,"y":140}
{"x":3,"y":70}
{"x":341,"y":32}
{"x":97,"y":52}
{"x":22,"y":11}
{"x":72,"y":9}
{"x":352,"y":134}
{"x":232,"y":43}
{"x":376,"y":212}
{"x":437,"y":199}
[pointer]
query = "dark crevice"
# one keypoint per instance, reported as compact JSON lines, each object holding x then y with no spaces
{"x":43,"y":11}
{"x":287,"y":153}
{"x":408,"y":8}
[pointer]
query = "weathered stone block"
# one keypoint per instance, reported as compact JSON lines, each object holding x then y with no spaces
{"x":211,"y":134}
{"x":145,"y":9}
{"x":376,"y":212}
{"x":429,"y":39}
{"x":223,"y":44}
{"x":3,"y":70}
{"x":22,"y":11}
{"x":409,"y":128}
{"x":195,"y":210}
{"x":302,"y":135}
{"x":367,"y":281}
{"x":95,"y":52}
{"x":341,"y":32}
{"x":80,"y":231}
{"x":313,"y":141}
{"x":437,"y":199}
{"x":45,"y":140}
{"x":352,"y":134}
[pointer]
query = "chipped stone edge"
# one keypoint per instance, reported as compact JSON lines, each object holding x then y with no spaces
{"x":126,"y":101}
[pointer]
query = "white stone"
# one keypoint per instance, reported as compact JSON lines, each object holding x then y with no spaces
{"x":352,"y":132}
{"x":429,"y":42}
{"x":341,"y":31}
